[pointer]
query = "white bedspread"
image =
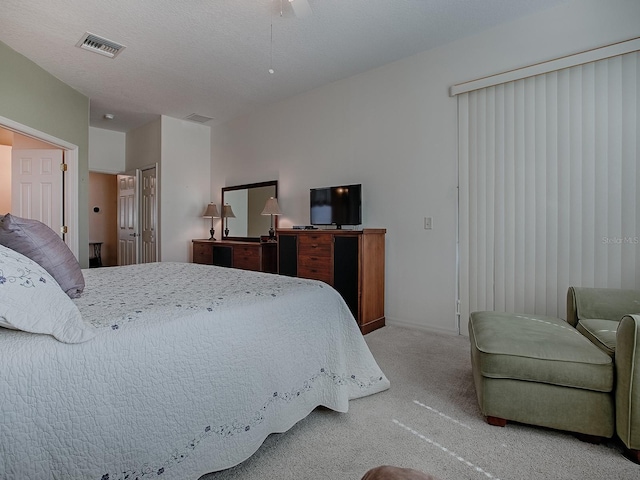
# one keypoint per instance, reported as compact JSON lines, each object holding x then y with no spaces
{"x":192,"y":368}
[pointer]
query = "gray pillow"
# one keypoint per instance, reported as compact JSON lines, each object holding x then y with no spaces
{"x":35,"y":240}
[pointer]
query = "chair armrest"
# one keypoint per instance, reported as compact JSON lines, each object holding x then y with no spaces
{"x":627,"y":360}
{"x":601,"y":303}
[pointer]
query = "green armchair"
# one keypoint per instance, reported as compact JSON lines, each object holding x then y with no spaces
{"x":610,"y":318}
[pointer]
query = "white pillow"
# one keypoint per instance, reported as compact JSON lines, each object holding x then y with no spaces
{"x":32,"y":301}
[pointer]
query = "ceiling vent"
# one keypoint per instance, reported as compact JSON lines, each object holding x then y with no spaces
{"x":100,"y":45}
{"x":194,"y":117}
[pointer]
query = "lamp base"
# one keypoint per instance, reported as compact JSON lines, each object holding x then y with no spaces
{"x":226,"y":232}
{"x":211,"y":231}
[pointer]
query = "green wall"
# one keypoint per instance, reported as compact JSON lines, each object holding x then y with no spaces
{"x":31,"y":96}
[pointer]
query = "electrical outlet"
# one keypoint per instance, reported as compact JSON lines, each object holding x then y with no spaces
{"x":428,"y":223}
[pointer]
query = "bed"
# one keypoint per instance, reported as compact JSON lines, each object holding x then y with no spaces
{"x":189,"y":369}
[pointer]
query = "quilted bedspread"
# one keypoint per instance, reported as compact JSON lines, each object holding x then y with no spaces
{"x":192,"y":367}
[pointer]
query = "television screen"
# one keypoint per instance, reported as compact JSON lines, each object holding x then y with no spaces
{"x":341,"y":205}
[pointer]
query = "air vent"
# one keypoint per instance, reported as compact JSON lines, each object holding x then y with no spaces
{"x":100,"y":45}
{"x":194,"y":117}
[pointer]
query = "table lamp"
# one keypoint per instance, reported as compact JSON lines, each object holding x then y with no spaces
{"x":211,"y":212}
{"x":271,"y":208}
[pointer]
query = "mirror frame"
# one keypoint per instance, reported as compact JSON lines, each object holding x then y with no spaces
{"x":273,"y":183}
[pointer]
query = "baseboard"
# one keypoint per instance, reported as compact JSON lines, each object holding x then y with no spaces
{"x":419,"y":326}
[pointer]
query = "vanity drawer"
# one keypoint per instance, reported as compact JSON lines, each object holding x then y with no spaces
{"x":246,"y":257}
{"x":202,"y":253}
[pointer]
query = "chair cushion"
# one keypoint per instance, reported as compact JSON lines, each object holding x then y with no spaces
{"x":538,"y":348}
{"x":602,"y":333}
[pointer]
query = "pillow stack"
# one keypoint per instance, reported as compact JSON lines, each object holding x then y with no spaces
{"x":38,"y":277}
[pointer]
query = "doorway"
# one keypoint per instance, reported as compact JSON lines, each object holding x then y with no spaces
{"x":137,"y":212}
{"x":103,"y":219}
{"x":32,"y":179}
{"x":69,"y":197}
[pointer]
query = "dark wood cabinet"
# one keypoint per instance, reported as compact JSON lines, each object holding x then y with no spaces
{"x":257,"y":256}
{"x":202,"y":252}
{"x":352,"y":261}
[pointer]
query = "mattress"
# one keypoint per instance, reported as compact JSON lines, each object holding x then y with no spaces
{"x":192,"y":367}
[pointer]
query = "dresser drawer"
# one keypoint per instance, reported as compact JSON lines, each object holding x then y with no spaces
{"x":314,"y":245}
{"x":319,"y":271}
{"x":203,"y":253}
{"x":246,"y":257}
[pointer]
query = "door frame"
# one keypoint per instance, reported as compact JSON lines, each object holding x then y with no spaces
{"x":71,"y":187}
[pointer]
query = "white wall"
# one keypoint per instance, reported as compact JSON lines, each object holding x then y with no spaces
{"x":106,"y":151}
{"x":394,"y":129}
{"x":185,"y":169}
{"x":182,"y":150}
{"x":143,"y":146}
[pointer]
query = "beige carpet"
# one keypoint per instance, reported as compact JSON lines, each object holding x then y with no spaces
{"x":428,"y":420}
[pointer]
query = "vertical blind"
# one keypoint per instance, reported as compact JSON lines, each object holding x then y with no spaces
{"x":548,"y":175}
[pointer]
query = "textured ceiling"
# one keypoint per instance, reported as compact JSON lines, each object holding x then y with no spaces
{"x":211,"y":57}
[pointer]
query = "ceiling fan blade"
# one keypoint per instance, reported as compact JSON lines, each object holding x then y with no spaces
{"x":301,"y":8}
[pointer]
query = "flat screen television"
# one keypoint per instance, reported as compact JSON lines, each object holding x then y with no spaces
{"x":339,"y":205}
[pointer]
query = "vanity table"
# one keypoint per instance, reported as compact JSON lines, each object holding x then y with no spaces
{"x":257,"y":256}
{"x":245,"y":244}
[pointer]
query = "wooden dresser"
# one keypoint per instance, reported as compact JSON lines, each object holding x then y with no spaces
{"x":258,"y":256}
{"x":352,"y":261}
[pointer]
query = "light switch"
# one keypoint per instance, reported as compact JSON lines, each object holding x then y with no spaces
{"x":428,"y":223}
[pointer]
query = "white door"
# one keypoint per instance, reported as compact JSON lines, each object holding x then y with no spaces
{"x":128,"y":219}
{"x":149,"y":216}
{"x":36,"y":186}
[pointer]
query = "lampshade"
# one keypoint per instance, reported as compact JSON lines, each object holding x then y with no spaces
{"x":227,"y":212}
{"x":271,"y":207}
{"x":211,"y":211}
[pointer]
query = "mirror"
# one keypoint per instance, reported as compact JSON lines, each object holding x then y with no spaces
{"x":247,"y":202}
